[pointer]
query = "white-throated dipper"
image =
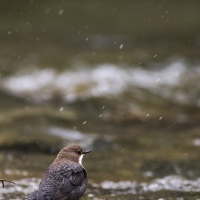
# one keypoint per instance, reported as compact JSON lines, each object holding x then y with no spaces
{"x":65,"y":178}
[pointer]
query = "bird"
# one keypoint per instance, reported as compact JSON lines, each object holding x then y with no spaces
{"x":65,"y":178}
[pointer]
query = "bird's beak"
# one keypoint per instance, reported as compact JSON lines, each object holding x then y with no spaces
{"x":86,"y":151}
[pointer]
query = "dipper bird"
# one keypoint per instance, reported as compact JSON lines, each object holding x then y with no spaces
{"x":65,"y":178}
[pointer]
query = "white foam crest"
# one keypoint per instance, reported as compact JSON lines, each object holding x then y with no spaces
{"x":73,"y":135}
{"x":170,"y":75}
{"x":173,"y":183}
{"x":118,"y":185}
{"x":30,"y":82}
{"x":105,"y":79}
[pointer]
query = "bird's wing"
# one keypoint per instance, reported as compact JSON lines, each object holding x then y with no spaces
{"x":74,"y":179}
{"x":62,"y":181}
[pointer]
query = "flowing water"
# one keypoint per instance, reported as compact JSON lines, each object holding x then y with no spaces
{"x":118,"y":77}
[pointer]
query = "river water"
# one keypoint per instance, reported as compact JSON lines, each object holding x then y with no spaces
{"x":118,"y":77}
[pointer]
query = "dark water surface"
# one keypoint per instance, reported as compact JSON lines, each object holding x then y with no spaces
{"x":119,"y":77}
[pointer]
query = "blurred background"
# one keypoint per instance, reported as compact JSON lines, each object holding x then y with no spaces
{"x":119,"y":77}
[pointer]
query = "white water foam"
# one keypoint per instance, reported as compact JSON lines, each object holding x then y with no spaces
{"x":172,"y":81}
{"x":22,"y":187}
{"x":172,"y":183}
{"x":73,"y":136}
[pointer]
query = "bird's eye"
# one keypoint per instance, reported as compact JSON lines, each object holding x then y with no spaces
{"x":79,"y":152}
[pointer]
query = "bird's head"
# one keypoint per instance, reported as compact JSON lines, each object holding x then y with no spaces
{"x":72,"y":153}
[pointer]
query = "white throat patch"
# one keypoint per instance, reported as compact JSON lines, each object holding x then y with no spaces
{"x":80,"y":159}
